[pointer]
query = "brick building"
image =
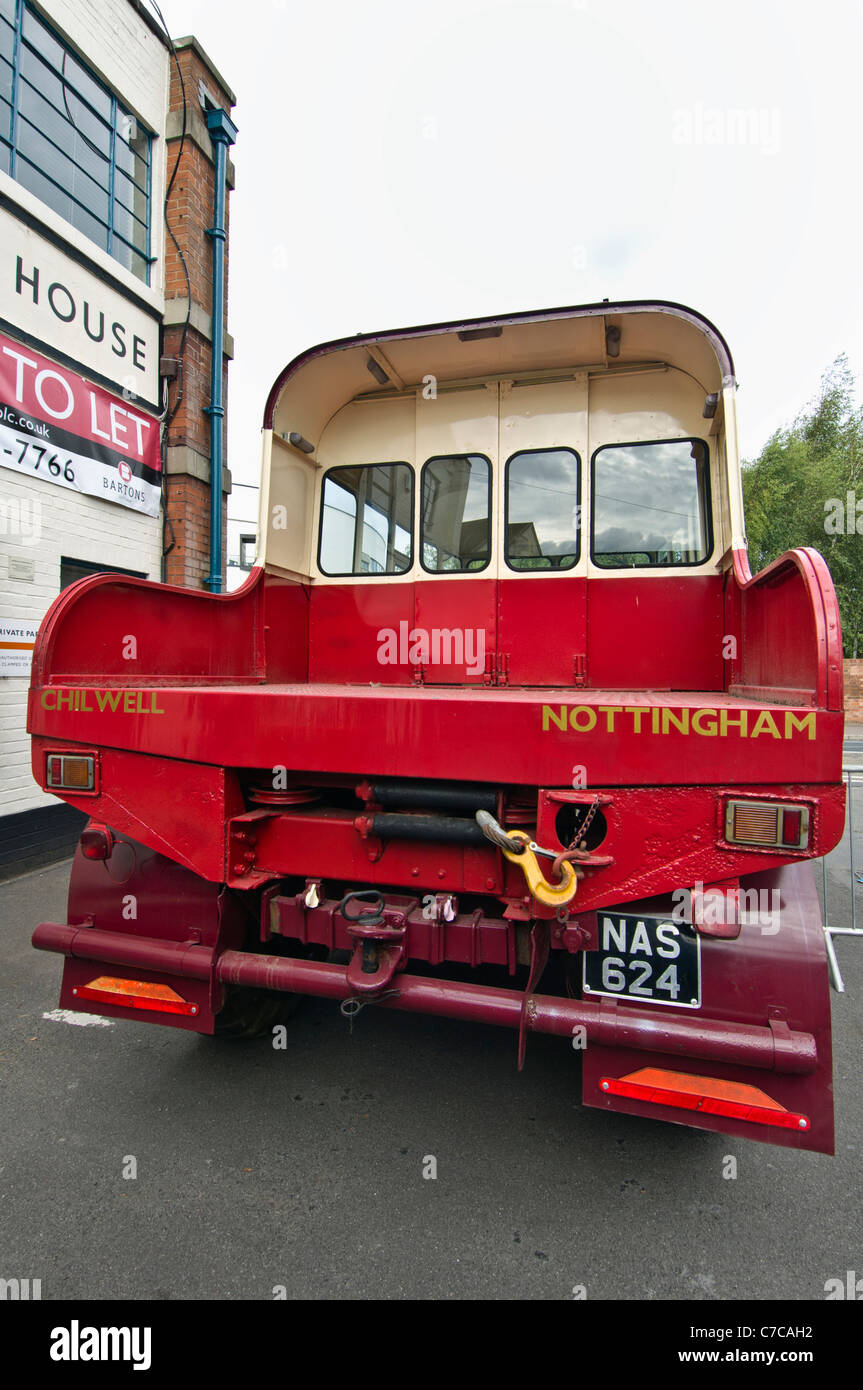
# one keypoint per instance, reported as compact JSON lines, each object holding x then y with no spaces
{"x":105,"y":333}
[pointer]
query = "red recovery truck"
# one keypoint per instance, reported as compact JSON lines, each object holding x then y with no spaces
{"x":500,"y":692}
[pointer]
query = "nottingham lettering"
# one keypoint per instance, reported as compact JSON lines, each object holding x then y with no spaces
{"x":707,"y":723}
{"x":64,"y":306}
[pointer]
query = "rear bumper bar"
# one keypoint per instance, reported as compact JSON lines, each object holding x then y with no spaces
{"x":606,"y":1022}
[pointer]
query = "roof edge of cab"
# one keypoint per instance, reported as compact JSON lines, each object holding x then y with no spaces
{"x":661,"y":306}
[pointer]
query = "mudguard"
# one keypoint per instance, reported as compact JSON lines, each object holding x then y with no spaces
{"x":775,"y":973}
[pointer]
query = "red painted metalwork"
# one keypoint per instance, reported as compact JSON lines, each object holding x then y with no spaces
{"x":583,"y":705}
{"x":736,"y":1044}
{"x":85,"y":943}
{"x":790,"y":629}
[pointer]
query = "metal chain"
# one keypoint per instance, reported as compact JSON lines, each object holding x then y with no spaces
{"x":582,"y":830}
{"x":350,"y":1007}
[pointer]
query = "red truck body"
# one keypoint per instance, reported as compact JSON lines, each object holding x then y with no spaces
{"x":663,"y":726}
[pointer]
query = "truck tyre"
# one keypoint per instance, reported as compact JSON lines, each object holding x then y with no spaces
{"x":249,"y":1012}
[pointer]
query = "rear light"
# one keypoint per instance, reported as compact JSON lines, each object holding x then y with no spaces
{"x":772,"y":824}
{"x":135,"y":994}
{"x":96,"y":842}
{"x":791,"y":826}
{"x":70,"y":772}
{"x":708,"y":1095}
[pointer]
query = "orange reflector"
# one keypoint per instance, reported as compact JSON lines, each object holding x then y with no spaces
{"x":70,"y":773}
{"x":754,"y":824}
{"x":707,"y":1094}
{"x":135,"y":994}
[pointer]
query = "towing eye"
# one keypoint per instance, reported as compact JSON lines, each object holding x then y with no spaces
{"x":519,"y":848}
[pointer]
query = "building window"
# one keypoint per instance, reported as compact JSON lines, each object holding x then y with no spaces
{"x":68,"y":140}
{"x":71,"y":570}
{"x":651,"y":504}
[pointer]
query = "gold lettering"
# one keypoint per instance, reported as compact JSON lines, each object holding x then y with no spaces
{"x":155,"y":708}
{"x":636,"y":711}
{"x":610,"y":711}
{"x":88,"y":709}
{"x":65,"y":697}
{"x":591,"y":718}
{"x":139,"y":707}
{"x":697,"y":718}
{"x":107,"y":697}
{"x":45,"y":704}
{"x":129,"y":702}
{"x":669,"y":717}
{"x":547,"y":714}
{"x":766,"y":720}
{"x":793,"y":723}
{"x":738,"y":721}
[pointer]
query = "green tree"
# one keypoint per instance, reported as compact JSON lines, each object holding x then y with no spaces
{"x":797,"y":493}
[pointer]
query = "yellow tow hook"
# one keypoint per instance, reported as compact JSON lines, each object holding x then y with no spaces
{"x":540,"y":888}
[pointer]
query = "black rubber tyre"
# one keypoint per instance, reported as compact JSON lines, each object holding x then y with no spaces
{"x":253,"y":1013}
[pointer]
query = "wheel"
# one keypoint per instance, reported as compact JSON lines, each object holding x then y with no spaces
{"x":249,"y":1012}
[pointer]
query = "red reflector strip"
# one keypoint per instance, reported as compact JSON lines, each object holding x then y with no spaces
{"x":135,"y":994}
{"x":706,"y":1094}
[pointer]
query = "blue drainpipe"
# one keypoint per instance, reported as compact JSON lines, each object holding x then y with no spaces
{"x":223,"y":133}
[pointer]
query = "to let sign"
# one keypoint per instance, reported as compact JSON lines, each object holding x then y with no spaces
{"x":56,"y":426}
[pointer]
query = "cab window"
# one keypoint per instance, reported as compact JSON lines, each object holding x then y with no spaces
{"x":543,"y":508}
{"x":367,"y":520}
{"x":456,"y":513}
{"x":651,"y":505}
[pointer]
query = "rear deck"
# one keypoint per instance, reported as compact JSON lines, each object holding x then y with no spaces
{"x":624,"y":737}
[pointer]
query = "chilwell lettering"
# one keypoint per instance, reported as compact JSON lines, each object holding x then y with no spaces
{"x":101,"y":701}
{"x":707,"y":723}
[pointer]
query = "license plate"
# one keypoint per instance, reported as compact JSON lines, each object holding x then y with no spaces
{"x":652,"y":959}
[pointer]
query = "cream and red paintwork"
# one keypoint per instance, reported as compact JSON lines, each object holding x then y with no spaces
{"x":624,"y":674}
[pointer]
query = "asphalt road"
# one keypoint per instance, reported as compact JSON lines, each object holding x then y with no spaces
{"x":303,"y":1168}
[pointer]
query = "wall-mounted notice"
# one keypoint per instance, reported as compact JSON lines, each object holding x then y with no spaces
{"x":60,"y":306}
{"x":16,"y":647}
{"x":56,"y":426}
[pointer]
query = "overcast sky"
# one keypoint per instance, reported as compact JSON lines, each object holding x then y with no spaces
{"x":402,"y":162}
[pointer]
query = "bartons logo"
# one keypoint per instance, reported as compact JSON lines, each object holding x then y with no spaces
{"x":708,"y":723}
